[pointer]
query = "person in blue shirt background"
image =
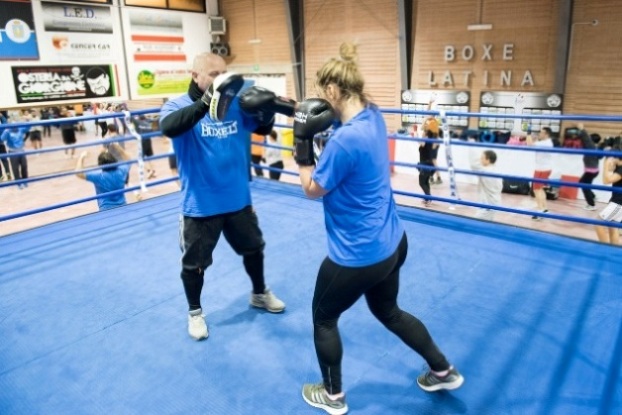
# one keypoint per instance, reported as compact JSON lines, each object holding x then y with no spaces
{"x":14,"y":140}
{"x":4,"y":161}
{"x":109,"y":178}
{"x":213,"y":162}
{"x":367,"y":243}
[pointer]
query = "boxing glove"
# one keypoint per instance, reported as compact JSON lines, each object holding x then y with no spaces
{"x":312,"y":116}
{"x":262,"y":104}
{"x":219,"y":96}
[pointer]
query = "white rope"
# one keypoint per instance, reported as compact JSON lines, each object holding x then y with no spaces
{"x":449,"y":158}
{"x":139,"y":147}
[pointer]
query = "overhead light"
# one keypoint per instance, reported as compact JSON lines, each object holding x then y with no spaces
{"x":483,"y":26}
{"x":254,"y":41}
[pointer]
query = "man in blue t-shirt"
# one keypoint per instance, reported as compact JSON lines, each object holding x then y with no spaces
{"x":210,"y":128}
{"x":14,"y":140}
{"x":109,"y":178}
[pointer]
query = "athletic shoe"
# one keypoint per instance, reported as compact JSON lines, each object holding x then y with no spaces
{"x":315,"y":395}
{"x":426,"y":203}
{"x":535,"y":217}
{"x":196,"y":325}
{"x":589,"y":207}
{"x":267,"y":300}
{"x":430,"y":382}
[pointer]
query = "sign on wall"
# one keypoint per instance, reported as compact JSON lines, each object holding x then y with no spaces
{"x":68,"y":17}
{"x":77,"y":32}
{"x":419,"y":100}
{"x":160,"y":48}
{"x":18,"y":39}
{"x":157,"y":36}
{"x":36,"y":84}
{"x":531,"y":103}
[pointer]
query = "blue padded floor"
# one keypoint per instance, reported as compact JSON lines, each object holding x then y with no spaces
{"x":93,"y":319}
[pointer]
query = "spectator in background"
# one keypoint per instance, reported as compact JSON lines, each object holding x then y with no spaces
{"x":102,"y":124}
{"x":4,"y":160}
{"x":543,"y":168}
{"x":143,"y":126}
{"x":68,"y":132}
{"x":274,"y":157}
{"x":590,"y":167}
{"x":612,"y":174}
{"x":108,"y":179}
{"x":35,"y":131}
{"x":14,"y":139}
{"x":257,"y":152}
{"x":426,"y":152}
{"x":172,"y":160}
{"x":489,"y":188}
{"x":46,"y":114}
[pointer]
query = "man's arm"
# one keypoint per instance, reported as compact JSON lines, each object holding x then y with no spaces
{"x":183,"y":119}
{"x":80,"y":165}
{"x":118,"y":152}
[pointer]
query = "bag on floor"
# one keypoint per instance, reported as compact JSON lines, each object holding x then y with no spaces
{"x":516,"y":187}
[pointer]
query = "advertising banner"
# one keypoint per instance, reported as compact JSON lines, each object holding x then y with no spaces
{"x":36,"y":84}
{"x":163,"y":81}
{"x":18,"y":39}
{"x":157,"y":36}
{"x":68,"y":17}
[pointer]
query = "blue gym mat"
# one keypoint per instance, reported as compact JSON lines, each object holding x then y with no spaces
{"x":93,"y":319}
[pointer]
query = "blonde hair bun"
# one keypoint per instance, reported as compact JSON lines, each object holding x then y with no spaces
{"x":347,"y":51}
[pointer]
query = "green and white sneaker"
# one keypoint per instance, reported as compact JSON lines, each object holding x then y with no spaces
{"x":268,"y":301}
{"x":430,"y":382}
{"x":316,"y":396}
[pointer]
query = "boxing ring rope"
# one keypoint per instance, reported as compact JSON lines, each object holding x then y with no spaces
{"x":454,"y":198}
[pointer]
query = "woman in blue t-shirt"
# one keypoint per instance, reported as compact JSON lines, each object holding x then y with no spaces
{"x":367,"y":244}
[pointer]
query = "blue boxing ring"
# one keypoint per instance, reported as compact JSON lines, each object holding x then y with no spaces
{"x":92,"y":319}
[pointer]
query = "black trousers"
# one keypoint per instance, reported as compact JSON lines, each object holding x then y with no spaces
{"x":198,"y":238}
{"x":588,"y":178}
{"x":256,"y":160}
{"x":337,"y":288}
{"x":424,"y":177}
{"x":4,"y":160}
{"x":276,"y":175}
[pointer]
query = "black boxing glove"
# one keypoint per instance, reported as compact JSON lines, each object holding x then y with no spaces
{"x":261,"y":104}
{"x":219,"y":96}
{"x":312,"y":116}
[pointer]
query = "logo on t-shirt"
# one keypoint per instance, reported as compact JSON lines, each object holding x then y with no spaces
{"x":219,"y":130}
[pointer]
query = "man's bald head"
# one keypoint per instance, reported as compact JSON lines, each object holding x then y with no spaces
{"x":206,"y":67}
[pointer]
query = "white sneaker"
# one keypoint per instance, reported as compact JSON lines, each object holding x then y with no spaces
{"x":589,"y":207}
{"x":267,"y":300}
{"x":196,"y":326}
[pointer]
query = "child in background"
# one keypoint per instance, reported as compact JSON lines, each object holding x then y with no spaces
{"x":489,"y":188}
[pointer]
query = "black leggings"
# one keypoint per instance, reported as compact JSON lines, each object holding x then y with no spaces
{"x":588,"y":178}
{"x":337,"y":288}
{"x":424,"y":178}
{"x":198,"y":238}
